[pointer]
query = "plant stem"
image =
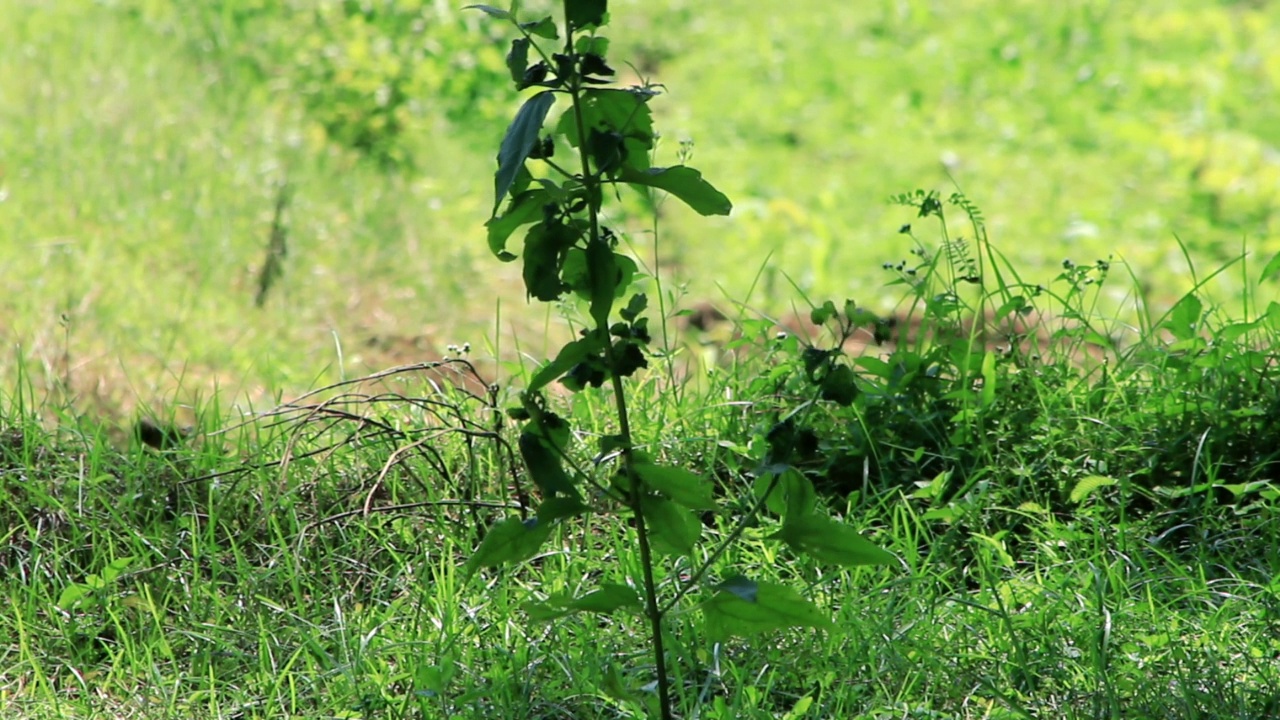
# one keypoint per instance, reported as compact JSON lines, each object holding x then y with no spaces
{"x":591,"y":181}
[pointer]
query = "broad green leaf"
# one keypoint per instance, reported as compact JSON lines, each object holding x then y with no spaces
{"x":798,"y":491}
{"x":793,"y":494}
{"x":518,"y":58}
{"x":1183,"y":319}
{"x":682,"y":486}
{"x":544,"y":246}
{"x":1088,"y":485}
{"x":511,"y":540}
{"x":610,"y":598}
{"x":603,"y":278}
{"x":829,"y":541}
{"x":741,"y":586}
{"x":728,"y":614}
{"x":544,"y":465}
{"x":609,"y":110}
{"x":575,"y":275}
{"x":672,"y":529}
{"x":685,"y":183}
{"x":557,"y":508}
{"x":570,"y":355}
{"x":489,"y":10}
{"x":840,"y":385}
{"x":521,"y":137}
{"x":592,"y":44}
{"x":523,"y":208}
{"x":585,"y":13}
{"x":544,"y":28}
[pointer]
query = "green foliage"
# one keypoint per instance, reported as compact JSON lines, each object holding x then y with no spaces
{"x":368,"y":72}
{"x":608,"y":136}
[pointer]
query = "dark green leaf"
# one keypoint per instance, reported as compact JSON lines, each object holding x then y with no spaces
{"x":672,"y":529}
{"x":545,"y":28}
{"x":732,"y":613}
{"x":609,"y":598}
{"x":585,"y":13}
{"x":545,"y":463}
{"x":637,"y":305}
{"x":829,"y":541}
{"x":518,"y":59}
{"x":683,"y":182}
{"x":820,"y":315}
{"x":740,"y":585}
{"x":521,"y":138}
{"x":557,"y":508}
{"x":793,"y":494}
{"x":511,"y":540}
{"x":683,"y":487}
{"x":544,"y":248}
{"x":591,"y":45}
{"x":571,"y":354}
{"x":602,"y":272}
{"x":840,"y":385}
{"x":619,"y":112}
{"x":523,"y":208}
{"x":775,"y":502}
{"x":799,"y":493}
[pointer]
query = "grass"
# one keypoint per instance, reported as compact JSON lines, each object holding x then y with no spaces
{"x":1076,"y":539}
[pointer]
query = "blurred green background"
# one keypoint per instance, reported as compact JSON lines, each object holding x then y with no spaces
{"x":143,"y":144}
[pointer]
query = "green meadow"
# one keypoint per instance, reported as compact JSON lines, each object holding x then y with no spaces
{"x":224,"y":217}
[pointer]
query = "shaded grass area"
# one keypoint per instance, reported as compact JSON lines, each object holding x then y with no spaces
{"x":142,"y":170}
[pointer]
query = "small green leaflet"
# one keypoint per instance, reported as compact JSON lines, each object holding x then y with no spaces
{"x":743,"y":607}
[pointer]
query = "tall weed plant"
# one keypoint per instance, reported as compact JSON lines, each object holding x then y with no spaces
{"x":576,"y":143}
